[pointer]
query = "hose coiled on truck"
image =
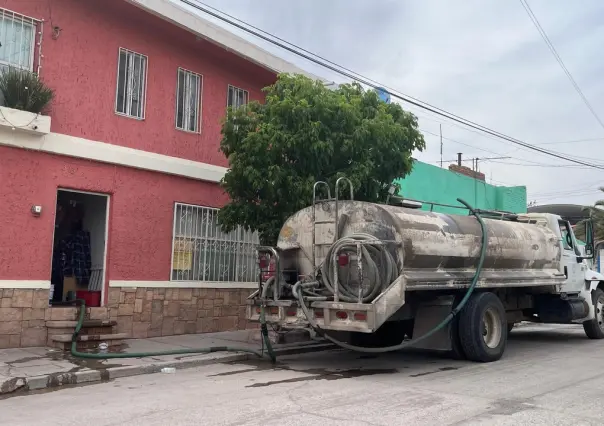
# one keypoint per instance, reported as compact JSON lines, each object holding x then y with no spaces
{"x":378,"y":275}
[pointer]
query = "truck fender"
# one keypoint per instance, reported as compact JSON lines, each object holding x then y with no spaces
{"x":593,"y":281}
{"x":591,"y":285}
{"x":593,"y":277}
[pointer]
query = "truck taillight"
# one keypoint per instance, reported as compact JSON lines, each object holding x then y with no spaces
{"x":267,"y":266}
{"x":342,"y":315}
{"x":263,"y":262}
{"x":343,"y":259}
{"x":360,"y":316}
{"x":273,"y":310}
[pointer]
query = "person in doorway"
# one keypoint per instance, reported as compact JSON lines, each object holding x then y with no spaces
{"x":77,"y":243}
{"x":71,"y":252}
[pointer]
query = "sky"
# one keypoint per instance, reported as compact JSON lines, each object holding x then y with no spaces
{"x":481,"y":60}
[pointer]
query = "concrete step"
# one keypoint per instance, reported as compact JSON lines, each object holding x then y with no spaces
{"x":88,"y":341}
{"x":89,"y":327}
{"x":85,"y":324}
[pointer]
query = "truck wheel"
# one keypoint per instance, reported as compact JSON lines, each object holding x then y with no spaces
{"x":483,"y":328}
{"x":594,"y":329}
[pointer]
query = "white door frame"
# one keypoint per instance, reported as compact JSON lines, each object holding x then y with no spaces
{"x":108,"y":201}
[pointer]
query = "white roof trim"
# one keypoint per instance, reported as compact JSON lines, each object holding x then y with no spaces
{"x":177,"y":15}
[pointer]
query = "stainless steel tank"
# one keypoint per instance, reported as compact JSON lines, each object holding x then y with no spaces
{"x":433,"y":250}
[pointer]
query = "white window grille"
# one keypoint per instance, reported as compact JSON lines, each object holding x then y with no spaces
{"x":19,"y":37}
{"x":203,"y":252}
{"x":188,"y":100}
{"x":131,"y":84}
{"x":237,"y":97}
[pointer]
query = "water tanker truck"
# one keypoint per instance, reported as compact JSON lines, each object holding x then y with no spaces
{"x":382,"y":277}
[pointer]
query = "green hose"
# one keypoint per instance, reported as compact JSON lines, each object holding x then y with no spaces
{"x":87,"y":355}
{"x":297,"y":290}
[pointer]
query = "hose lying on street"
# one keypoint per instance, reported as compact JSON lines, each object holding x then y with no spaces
{"x":89,"y":355}
{"x":300,"y":288}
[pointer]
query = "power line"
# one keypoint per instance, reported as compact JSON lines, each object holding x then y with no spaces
{"x":582,"y":188}
{"x":571,"y":141}
{"x":532,"y":163}
{"x":368,"y":82}
{"x":541,"y":165}
{"x":552,"y":49}
{"x":573,"y":195}
{"x":471,"y":159}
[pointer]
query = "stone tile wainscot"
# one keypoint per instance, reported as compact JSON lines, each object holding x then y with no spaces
{"x":139,"y":312}
{"x":153,"y":312}
{"x":23,"y":315}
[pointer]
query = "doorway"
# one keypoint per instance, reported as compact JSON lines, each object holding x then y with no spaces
{"x":79,"y":247}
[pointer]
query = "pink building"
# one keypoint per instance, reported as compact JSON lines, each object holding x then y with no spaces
{"x":127,"y":159}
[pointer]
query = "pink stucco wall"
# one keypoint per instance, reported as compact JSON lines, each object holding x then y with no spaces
{"x":81,"y":65}
{"x":140,"y":217}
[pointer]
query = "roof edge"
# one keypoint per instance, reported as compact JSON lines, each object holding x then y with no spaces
{"x":192,"y":22}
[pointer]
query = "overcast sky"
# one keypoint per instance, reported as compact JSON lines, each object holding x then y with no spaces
{"x":482,"y":60}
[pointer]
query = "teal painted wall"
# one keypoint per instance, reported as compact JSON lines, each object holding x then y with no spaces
{"x":431,"y":183}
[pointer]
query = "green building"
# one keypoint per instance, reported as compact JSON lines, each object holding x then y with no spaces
{"x":438,"y":185}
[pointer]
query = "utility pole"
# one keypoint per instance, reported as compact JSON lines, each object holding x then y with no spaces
{"x":440,"y":126}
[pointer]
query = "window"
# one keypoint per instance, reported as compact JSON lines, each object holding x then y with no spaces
{"x":131,"y":84}
{"x":567,"y":242}
{"x":17,"y":38}
{"x":188,"y":97}
{"x":237,"y":97}
{"x":203,"y":252}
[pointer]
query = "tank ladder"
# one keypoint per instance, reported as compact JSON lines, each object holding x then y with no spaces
{"x":326,"y":219}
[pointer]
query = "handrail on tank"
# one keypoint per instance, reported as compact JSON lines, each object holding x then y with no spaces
{"x":277,"y":284}
{"x":338,"y":199}
{"x":314,"y":191}
{"x":503,"y":214}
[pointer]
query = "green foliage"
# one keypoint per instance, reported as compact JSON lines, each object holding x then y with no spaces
{"x":24,"y":90}
{"x":305,"y":132}
{"x":596,"y":212}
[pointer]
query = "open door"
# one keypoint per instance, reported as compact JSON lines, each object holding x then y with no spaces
{"x":79,"y":247}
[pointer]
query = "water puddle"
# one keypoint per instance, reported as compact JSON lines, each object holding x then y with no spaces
{"x":315,"y":374}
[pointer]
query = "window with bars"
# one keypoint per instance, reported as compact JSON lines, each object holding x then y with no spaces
{"x":203,"y":252}
{"x":188,"y":100}
{"x":131,"y":84}
{"x":18,"y":35}
{"x":237,"y":97}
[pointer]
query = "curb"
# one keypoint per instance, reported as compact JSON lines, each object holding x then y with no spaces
{"x":54,"y":380}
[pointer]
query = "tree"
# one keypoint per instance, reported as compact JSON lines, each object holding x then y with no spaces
{"x":305,"y":132}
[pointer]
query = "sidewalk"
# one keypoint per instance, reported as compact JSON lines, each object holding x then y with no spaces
{"x":39,"y":368}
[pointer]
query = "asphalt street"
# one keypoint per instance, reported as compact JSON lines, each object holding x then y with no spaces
{"x":550,"y":375}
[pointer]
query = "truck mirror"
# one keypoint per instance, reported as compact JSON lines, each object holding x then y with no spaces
{"x":589,"y":250}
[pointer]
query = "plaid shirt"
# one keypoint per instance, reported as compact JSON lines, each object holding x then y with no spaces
{"x":74,"y":256}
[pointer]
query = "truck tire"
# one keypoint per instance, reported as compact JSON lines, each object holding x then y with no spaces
{"x":456,"y":351}
{"x":483,"y":328}
{"x":594,"y":329}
